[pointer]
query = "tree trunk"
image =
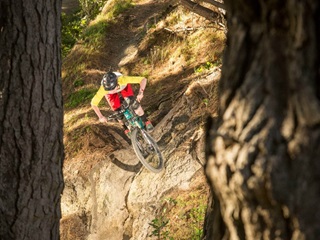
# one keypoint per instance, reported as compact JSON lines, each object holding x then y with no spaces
{"x":31,"y":119}
{"x":263,"y":153}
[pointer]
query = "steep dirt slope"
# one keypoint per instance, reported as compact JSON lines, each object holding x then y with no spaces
{"x":108,"y":194}
{"x":117,"y":198}
{"x":124,"y":38}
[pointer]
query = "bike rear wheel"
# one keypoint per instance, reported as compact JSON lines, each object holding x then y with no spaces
{"x":147,"y":150}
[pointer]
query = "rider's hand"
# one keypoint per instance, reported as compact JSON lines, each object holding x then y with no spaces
{"x":140,"y":96}
{"x":103,"y":119}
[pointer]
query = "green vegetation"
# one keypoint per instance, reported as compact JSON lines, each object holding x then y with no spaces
{"x":158,"y":224}
{"x":94,"y":34}
{"x":181,"y":218}
{"x":91,"y":8}
{"x":78,"y":82}
{"x":74,"y":24}
{"x":204,"y":67}
{"x":72,"y":27}
{"x":119,"y":7}
{"x":76,"y":27}
{"x":82,"y":96}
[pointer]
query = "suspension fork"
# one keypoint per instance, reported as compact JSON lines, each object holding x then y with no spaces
{"x":146,"y":138}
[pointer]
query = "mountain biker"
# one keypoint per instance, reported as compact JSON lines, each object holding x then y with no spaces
{"x":113,"y":84}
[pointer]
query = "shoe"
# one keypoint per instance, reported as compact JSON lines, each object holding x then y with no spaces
{"x":149,"y":126}
{"x":127,"y":132}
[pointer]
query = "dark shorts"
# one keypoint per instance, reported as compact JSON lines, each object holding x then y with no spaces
{"x":114,"y":100}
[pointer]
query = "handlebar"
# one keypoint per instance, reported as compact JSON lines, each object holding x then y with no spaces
{"x":113,"y":116}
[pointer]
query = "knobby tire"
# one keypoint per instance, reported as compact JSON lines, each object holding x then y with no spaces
{"x":137,"y":141}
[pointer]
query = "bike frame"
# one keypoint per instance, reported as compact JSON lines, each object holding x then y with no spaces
{"x":132,"y":120}
{"x":137,"y":126}
{"x":135,"y":121}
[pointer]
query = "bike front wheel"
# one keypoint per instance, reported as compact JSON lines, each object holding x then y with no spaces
{"x":147,"y":150}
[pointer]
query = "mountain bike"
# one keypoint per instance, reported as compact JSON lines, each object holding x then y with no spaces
{"x":144,"y":146}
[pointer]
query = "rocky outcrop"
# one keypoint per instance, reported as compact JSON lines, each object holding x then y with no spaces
{"x":117,"y":198}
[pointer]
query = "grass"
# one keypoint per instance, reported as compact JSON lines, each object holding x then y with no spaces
{"x":72,"y":26}
{"x":181,"y":216}
{"x":120,"y":7}
{"x":87,"y":44}
{"x":180,"y":48}
{"x":80,"y":97}
{"x":94,"y":34}
{"x":90,"y":45}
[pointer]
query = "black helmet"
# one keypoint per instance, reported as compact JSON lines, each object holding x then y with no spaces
{"x":109,"y":81}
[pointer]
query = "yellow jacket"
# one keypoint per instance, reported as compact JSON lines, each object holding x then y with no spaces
{"x":122,"y":81}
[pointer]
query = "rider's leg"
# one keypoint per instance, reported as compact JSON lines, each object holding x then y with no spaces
{"x":127,"y":92}
{"x":139,"y":111}
{"x":115,"y":104}
{"x":125,"y":128}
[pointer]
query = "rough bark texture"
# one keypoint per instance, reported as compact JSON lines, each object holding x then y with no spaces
{"x":263,"y":152}
{"x":31,"y":118}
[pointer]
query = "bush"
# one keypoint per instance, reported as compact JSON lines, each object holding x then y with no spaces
{"x":91,"y":8}
{"x":74,"y":24}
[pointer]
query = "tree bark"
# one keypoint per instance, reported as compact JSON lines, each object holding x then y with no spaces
{"x":263,"y":152}
{"x":31,"y":119}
